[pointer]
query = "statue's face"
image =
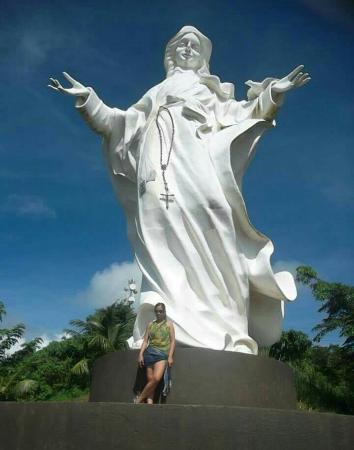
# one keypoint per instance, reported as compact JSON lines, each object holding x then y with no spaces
{"x":188,"y":52}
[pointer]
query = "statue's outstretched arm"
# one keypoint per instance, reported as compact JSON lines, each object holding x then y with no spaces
{"x":77,"y":90}
{"x":99,"y":116}
{"x":295,"y":79}
{"x":266,"y":97}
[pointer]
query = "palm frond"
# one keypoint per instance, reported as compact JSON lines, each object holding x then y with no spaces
{"x":113,"y":332}
{"x":100,"y":342}
{"x":25,"y":387}
{"x":81,"y":367}
{"x":95,"y":325}
{"x":78,"y":323}
{"x":71,"y":332}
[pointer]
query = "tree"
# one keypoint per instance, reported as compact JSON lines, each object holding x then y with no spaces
{"x":292,"y":346}
{"x":323,"y":375}
{"x":9,"y":336}
{"x":12,"y":384}
{"x":60,"y":371}
{"x":106,"y":330}
{"x":337,"y":302}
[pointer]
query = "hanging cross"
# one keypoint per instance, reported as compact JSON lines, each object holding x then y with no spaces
{"x":167,"y":198}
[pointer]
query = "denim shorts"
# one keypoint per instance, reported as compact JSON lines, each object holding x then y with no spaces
{"x":153,"y":355}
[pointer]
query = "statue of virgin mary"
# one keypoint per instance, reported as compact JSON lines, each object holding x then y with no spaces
{"x":176,"y":159}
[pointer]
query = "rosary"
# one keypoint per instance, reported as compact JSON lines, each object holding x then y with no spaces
{"x":165,"y":197}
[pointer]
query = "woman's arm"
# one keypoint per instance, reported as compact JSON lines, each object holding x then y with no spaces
{"x":144,"y":345}
{"x":171,"y":330}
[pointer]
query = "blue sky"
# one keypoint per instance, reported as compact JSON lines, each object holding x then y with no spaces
{"x":63,"y":245}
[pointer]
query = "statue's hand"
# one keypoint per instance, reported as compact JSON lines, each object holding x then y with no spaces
{"x":77,"y":89}
{"x":295,"y":79}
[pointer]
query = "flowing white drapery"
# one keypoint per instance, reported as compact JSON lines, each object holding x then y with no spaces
{"x":201,"y":256}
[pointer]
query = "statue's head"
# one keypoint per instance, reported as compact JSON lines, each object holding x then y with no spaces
{"x":188,"y":49}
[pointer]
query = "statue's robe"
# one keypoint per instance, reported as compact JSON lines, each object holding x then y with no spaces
{"x":201,"y":257}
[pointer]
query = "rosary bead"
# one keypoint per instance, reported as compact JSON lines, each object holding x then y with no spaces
{"x":167,"y":198}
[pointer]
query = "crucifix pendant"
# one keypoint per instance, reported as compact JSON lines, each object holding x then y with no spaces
{"x":167,"y":198}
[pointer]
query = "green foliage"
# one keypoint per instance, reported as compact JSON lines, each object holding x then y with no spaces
{"x":292,"y":346}
{"x":26,"y":387}
{"x":61,"y":371}
{"x":71,"y":394}
{"x":324,"y":375}
{"x":324,"y":380}
{"x":81,"y":367}
{"x":9,"y":336}
{"x":12,"y":384}
{"x":337,"y":303}
{"x":107,"y":330}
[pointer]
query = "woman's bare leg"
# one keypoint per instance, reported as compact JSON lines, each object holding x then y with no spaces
{"x":150,"y":377}
{"x":158,"y":370}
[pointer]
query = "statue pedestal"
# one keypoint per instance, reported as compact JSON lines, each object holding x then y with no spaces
{"x":202,"y":377}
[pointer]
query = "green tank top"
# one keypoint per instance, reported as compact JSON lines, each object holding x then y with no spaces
{"x":159,"y":336}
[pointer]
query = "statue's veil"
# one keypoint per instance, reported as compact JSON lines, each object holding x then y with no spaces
{"x":205,"y":44}
{"x":224,"y":90}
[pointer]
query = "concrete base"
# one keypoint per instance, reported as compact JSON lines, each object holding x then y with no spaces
{"x":108,"y":426}
{"x":202,"y":377}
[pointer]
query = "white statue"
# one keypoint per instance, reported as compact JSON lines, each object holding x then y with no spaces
{"x":131,"y":291}
{"x":176,"y":159}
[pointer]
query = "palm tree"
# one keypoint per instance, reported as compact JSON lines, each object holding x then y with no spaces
{"x":9,"y":336}
{"x":104,"y":331}
{"x":12,"y":387}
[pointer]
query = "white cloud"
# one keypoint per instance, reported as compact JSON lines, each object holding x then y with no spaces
{"x":108,"y":285}
{"x":15,"y":348}
{"x":30,"y":42}
{"x":35,"y":47}
{"x":27,"y":205}
{"x":47,"y":338}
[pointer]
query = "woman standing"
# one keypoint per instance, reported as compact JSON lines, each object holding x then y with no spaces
{"x":156,"y":353}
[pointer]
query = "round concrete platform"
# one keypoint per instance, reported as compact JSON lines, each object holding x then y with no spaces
{"x":202,"y":377}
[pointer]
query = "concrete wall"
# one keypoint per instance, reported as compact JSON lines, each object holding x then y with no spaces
{"x":108,"y":426}
{"x":203,"y":377}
